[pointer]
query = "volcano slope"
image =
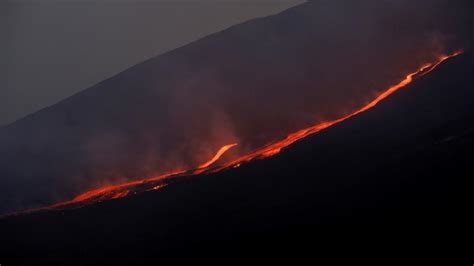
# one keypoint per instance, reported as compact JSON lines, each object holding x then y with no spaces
{"x":395,"y":172}
{"x":250,"y":84}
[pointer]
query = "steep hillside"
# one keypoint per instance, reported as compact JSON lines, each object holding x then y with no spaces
{"x":398,"y":172}
{"x":250,"y":84}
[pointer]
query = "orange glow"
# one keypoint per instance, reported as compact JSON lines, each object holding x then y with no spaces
{"x":154,"y":183}
{"x":274,"y":148}
{"x":122,"y":190}
{"x":159,"y":186}
{"x":217,"y":156}
{"x":120,"y":194}
{"x":203,"y":167}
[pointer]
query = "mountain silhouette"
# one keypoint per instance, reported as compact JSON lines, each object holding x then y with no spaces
{"x":397,"y":172}
{"x":250,"y":84}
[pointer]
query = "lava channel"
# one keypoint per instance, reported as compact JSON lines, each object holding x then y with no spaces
{"x":158,"y":182}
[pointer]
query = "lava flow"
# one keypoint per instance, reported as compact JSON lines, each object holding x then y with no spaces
{"x":154,"y":183}
{"x":217,"y":156}
{"x":275,"y":147}
{"x":132,"y":187}
{"x":122,"y":190}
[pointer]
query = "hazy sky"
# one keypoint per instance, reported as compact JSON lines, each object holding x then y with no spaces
{"x":51,"y":49}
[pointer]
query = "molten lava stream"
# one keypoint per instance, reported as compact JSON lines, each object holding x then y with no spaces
{"x":276,"y":147}
{"x":122,"y":190}
{"x":216,"y":157}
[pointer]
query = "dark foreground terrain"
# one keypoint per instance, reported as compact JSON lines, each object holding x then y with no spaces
{"x":249,"y":84}
{"x":392,"y":180}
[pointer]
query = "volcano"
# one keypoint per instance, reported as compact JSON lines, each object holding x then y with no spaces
{"x":252,"y":84}
{"x":157,"y":182}
{"x":280,"y":137}
{"x":399,"y":170}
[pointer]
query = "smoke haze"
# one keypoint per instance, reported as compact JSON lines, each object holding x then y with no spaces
{"x":250,"y":84}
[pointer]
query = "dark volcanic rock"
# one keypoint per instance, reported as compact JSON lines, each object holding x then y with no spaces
{"x":399,"y":172}
{"x":251,"y":83}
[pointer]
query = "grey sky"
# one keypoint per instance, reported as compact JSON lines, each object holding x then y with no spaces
{"x":52,"y":49}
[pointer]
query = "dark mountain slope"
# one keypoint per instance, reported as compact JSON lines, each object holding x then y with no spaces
{"x":398,"y":172}
{"x":250,"y":84}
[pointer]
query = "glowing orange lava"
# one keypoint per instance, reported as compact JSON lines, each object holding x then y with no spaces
{"x":276,"y":147}
{"x":122,"y":190}
{"x":154,"y":183}
{"x":216,"y":157}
